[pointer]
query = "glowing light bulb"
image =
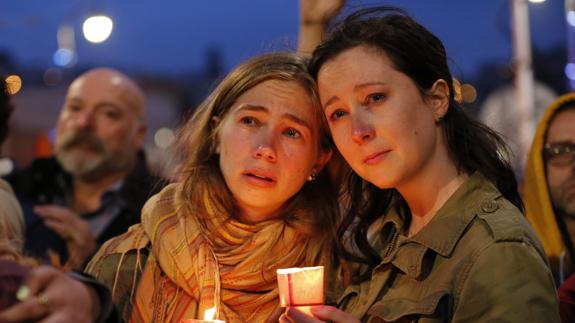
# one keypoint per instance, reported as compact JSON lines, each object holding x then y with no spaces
{"x":97,"y":28}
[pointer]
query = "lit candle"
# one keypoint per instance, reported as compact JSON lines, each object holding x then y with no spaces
{"x":208,"y":317}
{"x":301,"y":287}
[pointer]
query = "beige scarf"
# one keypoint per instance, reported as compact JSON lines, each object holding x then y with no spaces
{"x":216,"y":261}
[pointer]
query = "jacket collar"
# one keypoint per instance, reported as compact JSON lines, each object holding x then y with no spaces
{"x":443,"y":232}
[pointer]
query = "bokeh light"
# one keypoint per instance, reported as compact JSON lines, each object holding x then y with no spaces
{"x":97,"y":28}
{"x":13,"y":84}
{"x":164,"y":137}
{"x":468,"y":93}
{"x":6,"y":166}
{"x":570,"y":71}
{"x":64,"y":57}
{"x":571,"y":18}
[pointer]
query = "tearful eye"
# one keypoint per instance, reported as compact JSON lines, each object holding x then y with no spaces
{"x":337,"y":114}
{"x":291,"y":132}
{"x":376,"y":97}
{"x":248,"y":121}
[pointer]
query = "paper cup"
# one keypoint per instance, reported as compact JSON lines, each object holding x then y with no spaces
{"x":300,"y":286}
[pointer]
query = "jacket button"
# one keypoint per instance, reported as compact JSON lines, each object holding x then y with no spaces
{"x":489,"y":206}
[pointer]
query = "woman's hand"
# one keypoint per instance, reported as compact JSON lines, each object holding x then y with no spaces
{"x":320,"y":313}
{"x":53,"y":296}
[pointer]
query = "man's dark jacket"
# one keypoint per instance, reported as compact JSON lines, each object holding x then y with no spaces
{"x":45,"y":182}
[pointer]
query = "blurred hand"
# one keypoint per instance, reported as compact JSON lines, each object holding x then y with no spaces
{"x":80,"y":241}
{"x":320,"y":313}
{"x":319,"y":11}
{"x":53,"y":297}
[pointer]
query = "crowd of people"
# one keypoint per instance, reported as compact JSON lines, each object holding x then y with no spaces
{"x":353,"y":154}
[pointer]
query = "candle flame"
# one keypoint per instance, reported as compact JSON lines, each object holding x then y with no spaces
{"x":209,"y":314}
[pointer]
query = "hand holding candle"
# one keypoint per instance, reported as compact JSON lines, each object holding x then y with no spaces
{"x":300,"y":287}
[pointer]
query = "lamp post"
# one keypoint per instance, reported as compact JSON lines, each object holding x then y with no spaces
{"x":524,"y":83}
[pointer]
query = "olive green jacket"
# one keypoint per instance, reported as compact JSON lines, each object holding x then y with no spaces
{"x":478,"y":260}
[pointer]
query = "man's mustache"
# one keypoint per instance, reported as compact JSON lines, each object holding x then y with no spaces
{"x":82,"y":138}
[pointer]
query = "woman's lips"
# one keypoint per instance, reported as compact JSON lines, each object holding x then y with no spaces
{"x":259,"y":178}
{"x":376,"y":157}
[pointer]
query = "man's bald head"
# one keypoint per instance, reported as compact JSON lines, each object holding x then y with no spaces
{"x":101,"y":125}
{"x":116,"y":81}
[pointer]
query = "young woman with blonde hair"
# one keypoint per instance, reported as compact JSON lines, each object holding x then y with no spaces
{"x":252,"y":199}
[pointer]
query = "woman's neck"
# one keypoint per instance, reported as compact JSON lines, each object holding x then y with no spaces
{"x":427,"y":192}
{"x":255,"y":215}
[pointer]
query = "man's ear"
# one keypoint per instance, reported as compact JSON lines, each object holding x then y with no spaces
{"x":438,"y":99}
{"x":214,"y":123}
{"x":140,"y":137}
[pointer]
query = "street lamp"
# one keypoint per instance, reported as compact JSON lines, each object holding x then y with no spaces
{"x":97,"y":28}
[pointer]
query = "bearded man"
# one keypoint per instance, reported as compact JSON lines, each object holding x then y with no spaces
{"x":98,"y":181}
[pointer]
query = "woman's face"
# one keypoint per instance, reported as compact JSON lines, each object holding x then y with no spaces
{"x":268,"y":146}
{"x":379,"y":120}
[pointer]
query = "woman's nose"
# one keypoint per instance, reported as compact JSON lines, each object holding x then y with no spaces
{"x":362,"y":130}
{"x":266,"y":151}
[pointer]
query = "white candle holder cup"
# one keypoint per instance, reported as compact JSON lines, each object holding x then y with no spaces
{"x":301,"y":287}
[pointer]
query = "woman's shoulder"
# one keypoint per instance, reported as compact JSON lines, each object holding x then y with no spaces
{"x":117,"y":250}
{"x":502,"y":221}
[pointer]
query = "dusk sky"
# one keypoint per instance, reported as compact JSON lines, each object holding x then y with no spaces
{"x":171,"y":36}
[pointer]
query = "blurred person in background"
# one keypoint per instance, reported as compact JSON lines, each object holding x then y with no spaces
{"x":550,"y":194}
{"x":549,"y":190}
{"x":28,"y":286}
{"x":11,"y":221}
{"x":499,"y":112}
{"x":95,"y":185}
{"x":12,"y":272}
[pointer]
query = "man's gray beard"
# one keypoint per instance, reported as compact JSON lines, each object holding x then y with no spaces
{"x":101,"y":164}
{"x":88,"y":169}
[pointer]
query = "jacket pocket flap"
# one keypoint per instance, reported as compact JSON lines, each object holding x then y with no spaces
{"x":393,"y":308}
